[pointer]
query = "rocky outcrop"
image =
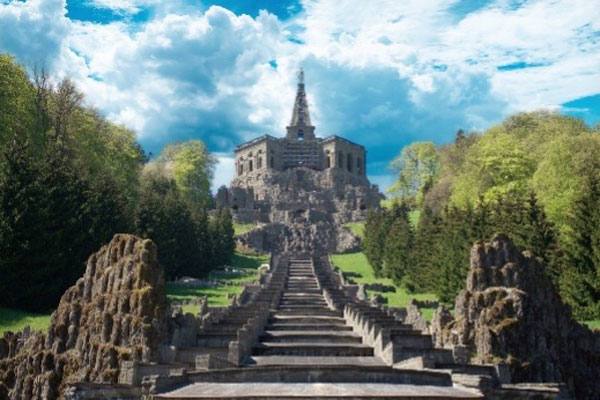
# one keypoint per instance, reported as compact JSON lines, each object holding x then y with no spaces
{"x":511,"y":312}
{"x":320,"y":237}
{"x":280,"y":196}
{"x":115,"y":312}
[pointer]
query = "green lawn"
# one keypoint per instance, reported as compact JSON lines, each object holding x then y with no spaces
{"x":241,"y":260}
{"x":357,"y":229}
{"x":231,"y":283}
{"x":242,"y":228}
{"x":357,"y":269}
{"x":14,"y":320}
{"x":593,"y":324}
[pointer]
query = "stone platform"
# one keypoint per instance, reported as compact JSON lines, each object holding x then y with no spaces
{"x":302,"y":334}
{"x":313,"y":346}
{"x":284,"y":391}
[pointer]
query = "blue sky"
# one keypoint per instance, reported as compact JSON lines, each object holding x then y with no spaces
{"x":382,"y":73}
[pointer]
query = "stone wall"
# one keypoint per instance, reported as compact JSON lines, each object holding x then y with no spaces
{"x":275,"y":196}
{"x":511,"y":312}
{"x":114,"y":313}
{"x":299,"y":237}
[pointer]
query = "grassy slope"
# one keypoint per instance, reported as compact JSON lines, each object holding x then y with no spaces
{"x":14,"y":320}
{"x":593,"y":324}
{"x":242,"y":228}
{"x":219,"y":295}
{"x":356,"y":268}
{"x":357,"y":229}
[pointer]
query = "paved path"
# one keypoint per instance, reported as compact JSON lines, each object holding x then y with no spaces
{"x":317,"y":390}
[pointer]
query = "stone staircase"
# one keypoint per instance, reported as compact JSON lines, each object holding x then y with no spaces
{"x":316,"y":343}
{"x":304,"y":329}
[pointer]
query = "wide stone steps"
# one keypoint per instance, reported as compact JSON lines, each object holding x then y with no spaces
{"x":316,"y":391}
{"x":311,"y":336}
{"x":307,"y":327}
{"x":308,"y":351}
{"x":314,"y":349}
{"x":317,"y":362}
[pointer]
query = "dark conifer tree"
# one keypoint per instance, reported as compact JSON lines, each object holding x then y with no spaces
{"x":376,"y":228}
{"x":398,"y":247}
{"x":580,"y":273}
{"x":422,"y":272}
{"x":223,"y":236}
{"x":164,"y":217}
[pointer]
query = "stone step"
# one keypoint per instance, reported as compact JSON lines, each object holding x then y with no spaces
{"x":279,"y":318}
{"x":309,"y":312}
{"x":303,"y":306}
{"x":318,"y":362}
{"x":413,"y":341}
{"x":308,"y":327}
{"x":320,"y":336}
{"x":317,"y":349}
{"x":337,"y":369}
{"x":316,"y":391}
{"x":437,"y":356}
{"x":310,"y":304}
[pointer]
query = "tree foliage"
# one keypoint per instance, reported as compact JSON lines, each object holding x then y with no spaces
{"x":192,"y":169}
{"x":418,"y":167}
{"x":70,"y":180}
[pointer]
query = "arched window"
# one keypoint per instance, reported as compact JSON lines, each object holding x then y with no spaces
{"x":340,"y":160}
{"x":249,"y":165}
{"x":328,"y":158}
{"x":240,"y":168}
{"x":259,"y":162}
{"x":349,"y":162}
{"x":272,"y":161}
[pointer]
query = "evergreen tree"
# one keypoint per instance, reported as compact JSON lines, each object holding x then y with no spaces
{"x":399,"y":242}
{"x":452,"y":252}
{"x":580,"y":275}
{"x":43,"y":236}
{"x":422,"y":272}
{"x":376,"y":229}
{"x":540,"y":236}
{"x":164,"y":217}
{"x":223,"y":233}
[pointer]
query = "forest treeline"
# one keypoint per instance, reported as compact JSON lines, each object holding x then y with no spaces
{"x":70,"y":180}
{"x":534,"y":177}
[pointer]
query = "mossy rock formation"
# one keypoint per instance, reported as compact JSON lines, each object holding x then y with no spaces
{"x":115,"y":312}
{"x":511,"y":312}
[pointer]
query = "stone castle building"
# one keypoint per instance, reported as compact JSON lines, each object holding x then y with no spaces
{"x":300,"y":178}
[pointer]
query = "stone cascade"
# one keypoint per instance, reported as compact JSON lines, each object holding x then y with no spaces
{"x":221,"y":338}
{"x":305,"y":329}
{"x":302,"y":332}
{"x":310,"y":349}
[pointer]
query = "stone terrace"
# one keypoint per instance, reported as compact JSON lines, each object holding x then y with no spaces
{"x":301,"y":333}
{"x":317,"y":343}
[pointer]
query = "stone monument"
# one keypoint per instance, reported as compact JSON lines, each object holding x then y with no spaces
{"x":299,"y":182}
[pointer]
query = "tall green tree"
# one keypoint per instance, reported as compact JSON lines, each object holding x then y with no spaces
{"x":398,"y":247}
{"x":17,"y":101}
{"x":192,"y":169}
{"x":223,"y":236}
{"x":376,"y":230}
{"x":580,"y":272}
{"x":163,"y":216}
{"x":418,"y":167}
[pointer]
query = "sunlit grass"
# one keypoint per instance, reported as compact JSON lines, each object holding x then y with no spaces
{"x":15,"y":321}
{"x":594,"y":324}
{"x":229,"y":283}
{"x":240,"y":229}
{"x":357,"y":269}
{"x":357,"y":228}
